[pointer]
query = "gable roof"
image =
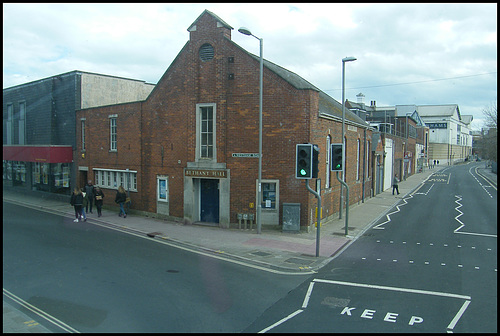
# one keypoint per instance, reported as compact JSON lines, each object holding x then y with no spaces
{"x":219,"y":20}
{"x":327,"y":104}
{"x":438,"y":110}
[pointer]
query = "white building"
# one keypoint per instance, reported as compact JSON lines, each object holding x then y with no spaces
{"x":450,"y":136}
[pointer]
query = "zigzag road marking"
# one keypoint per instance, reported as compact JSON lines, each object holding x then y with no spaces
{"x":457,"y":230}
{"x":378,"y":227}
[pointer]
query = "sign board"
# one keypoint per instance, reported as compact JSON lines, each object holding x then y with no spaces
{"x":246,"y":155}
{"x":205,"y":173}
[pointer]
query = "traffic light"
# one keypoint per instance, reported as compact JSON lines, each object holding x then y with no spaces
{"x":336,"y":157}
{"x":304,"y":161}
{"x":315,"y":168}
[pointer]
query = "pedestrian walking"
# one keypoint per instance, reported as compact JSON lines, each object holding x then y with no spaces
{"x":434,"y":164}
{"x":120,"y":198}
{"x":89,"y":189}
{"x":98,"y":197}
{"x":438,"y":162}
{"x":77,"y":202}
{"x":395,"y":182}
{"x":84,"y":204}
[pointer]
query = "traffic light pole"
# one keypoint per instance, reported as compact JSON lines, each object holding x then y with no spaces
{"x":318,"y":214}
{"x":347,"y":204}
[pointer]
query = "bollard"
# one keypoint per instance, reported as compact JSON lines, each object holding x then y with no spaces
{"x":250,"y":217}
{"x":240,"y":217}
{"x":245,"y":218}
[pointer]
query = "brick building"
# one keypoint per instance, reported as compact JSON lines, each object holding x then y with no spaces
{"x":39,"y":126}
{"x":185,"y":152}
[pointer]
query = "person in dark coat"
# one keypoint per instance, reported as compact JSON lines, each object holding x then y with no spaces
{"x":89,"y":189}
{"x":395,"y":182}
{"x":99,"y":199}
{"x":121,"y":197}
{"x":77,"y":202}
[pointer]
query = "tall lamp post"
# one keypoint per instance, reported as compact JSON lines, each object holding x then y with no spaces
{"x":344,"y":60}
{"x":246,"y":31}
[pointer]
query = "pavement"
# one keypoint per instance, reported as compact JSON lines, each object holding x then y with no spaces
{"x":271,"y":250}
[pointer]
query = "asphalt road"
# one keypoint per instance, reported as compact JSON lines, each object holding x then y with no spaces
{"x":429,"y":266}
{"x":93,"y":279}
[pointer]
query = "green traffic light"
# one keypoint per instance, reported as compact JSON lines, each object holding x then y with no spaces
{"x":303,"y":172}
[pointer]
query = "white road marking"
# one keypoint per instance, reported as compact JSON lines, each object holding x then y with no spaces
{"x":308,"y":295}
{"x":297,"y":312}
{"x":395,"y":289}
{"x":459,"y":315}
{"x":40,"y":312}
{"x":457,"y":230}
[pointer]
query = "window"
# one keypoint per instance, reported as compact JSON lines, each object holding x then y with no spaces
{"x":367,"y":159}
{"x":112,"y":133}
{"x":269,"y":195}
{"x":207,"y":141}
{"x":83,"y":134}
{"x":162,"y":194}
{"x":22,"y":123}
{"x":113,"y":178}
{"x":205,"y":130}
{"x":10,"y":116}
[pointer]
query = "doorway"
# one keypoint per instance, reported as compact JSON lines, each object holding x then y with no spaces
{"x":209,"y":201}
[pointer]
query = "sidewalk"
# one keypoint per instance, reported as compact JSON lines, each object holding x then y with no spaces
{"x":272,"y":250}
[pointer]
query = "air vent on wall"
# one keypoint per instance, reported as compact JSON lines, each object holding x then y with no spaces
{"x":206,"y":52}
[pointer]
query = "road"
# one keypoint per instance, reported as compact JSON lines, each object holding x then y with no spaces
{"x":429,"y":266}
{"x":86,"y":278}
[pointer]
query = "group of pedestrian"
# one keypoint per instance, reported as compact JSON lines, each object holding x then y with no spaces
{"x":433,"y":165}
{"x":83,"y":199}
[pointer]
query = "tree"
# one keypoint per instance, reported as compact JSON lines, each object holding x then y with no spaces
{"x":490,"y":112}
{"x":490,"y":136}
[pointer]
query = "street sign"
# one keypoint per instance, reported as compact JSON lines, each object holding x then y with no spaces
{"x":246,"y":155}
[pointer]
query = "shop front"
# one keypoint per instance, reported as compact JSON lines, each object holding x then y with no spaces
{"x":38,"y":168}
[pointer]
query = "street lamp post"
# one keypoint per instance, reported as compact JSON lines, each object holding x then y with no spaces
{"x":344,"y":60}
{"x":246,"y":31}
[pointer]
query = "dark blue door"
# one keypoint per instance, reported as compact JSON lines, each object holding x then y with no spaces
{"x":209,"y":190}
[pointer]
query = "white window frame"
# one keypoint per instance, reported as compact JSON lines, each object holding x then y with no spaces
{"x":113,"y":133}
{"x":159,"y":195}
{"x":199,"y":156}
{"x":113,"y":178}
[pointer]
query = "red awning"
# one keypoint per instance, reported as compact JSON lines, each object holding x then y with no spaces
{"x":48,"y":154}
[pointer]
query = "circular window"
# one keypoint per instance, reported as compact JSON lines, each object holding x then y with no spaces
{"x":206,"y":52}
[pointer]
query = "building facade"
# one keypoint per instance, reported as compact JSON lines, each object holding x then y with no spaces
{"x":189,"y":151}
{"x":39,"y":126}
{"x":401,"y":137}
{"x":450,"y":135}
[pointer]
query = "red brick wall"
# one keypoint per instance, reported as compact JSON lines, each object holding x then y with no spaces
{"x":158,"y":136}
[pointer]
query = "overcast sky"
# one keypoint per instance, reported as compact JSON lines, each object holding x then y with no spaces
{"x":420,"y":54}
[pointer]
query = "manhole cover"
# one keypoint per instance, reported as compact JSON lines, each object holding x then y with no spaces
{"x":299,"y":261}
{"x":261,"y":254}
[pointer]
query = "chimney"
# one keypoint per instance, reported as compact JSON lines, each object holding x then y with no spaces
{"x":361,"y":98}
